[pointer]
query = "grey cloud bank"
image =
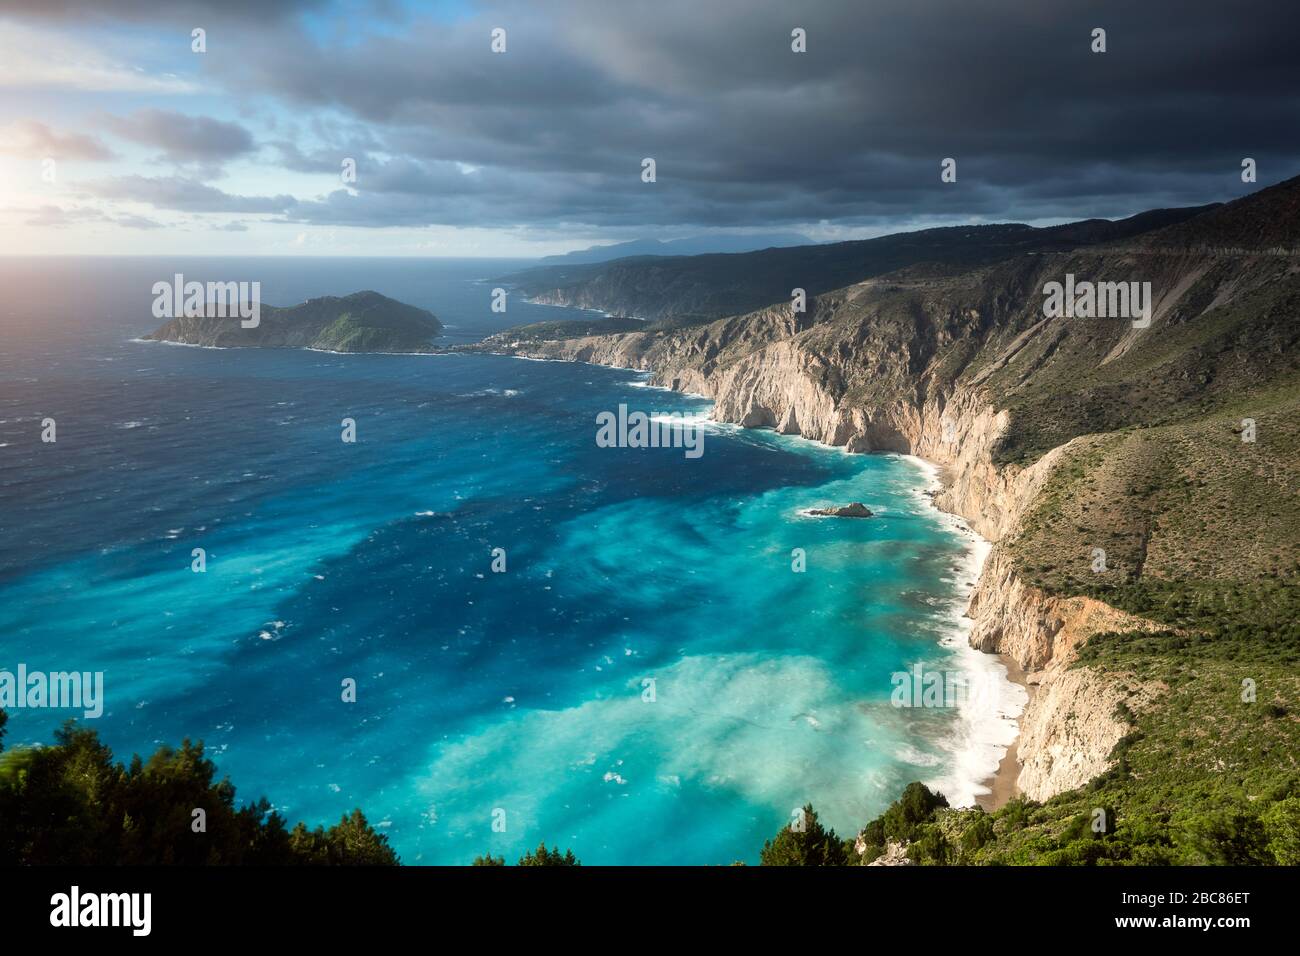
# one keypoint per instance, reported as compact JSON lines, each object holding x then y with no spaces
{"x":745,"y":132}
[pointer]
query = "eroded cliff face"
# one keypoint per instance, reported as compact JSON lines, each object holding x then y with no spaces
{"x":1070,"y":727}
{"x":1072,"y":721}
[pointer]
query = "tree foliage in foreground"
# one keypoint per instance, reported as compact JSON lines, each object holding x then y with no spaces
{"x":544,"y":857}
{"x":71,"y":804}
{"x":804,"y":842}
{"x":539,"y":857}
{"x":1082,"y":827}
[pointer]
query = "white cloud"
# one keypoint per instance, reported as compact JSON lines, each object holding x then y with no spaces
{"x":45,"y":59}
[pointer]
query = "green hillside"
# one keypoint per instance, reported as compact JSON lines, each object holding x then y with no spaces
{"x":360,"y":322}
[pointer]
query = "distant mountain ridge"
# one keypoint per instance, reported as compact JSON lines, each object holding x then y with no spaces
{"x":359,"y":322}
{"x":688,"y":246}
{"x":688,"y":289}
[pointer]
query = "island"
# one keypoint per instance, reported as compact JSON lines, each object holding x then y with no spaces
{"x":855,"y":510}
{"x":359,"y":322}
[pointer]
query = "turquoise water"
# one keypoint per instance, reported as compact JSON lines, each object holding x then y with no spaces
{"x":481,"y":696}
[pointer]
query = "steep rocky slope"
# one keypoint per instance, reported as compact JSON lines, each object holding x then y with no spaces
{"x":1061,"y":436}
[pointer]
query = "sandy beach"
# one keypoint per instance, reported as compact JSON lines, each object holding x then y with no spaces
{"x":1002,"y":785}
{"x":988,"y":722}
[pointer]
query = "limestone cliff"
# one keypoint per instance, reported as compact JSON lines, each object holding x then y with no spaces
{"x":1073,"y":720}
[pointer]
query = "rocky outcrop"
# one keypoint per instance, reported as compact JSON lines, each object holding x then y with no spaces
{"x":855,"y":510}
{"x":895,"y":854}
{"x":1012,"y":618}
{"x":1071,"y":726}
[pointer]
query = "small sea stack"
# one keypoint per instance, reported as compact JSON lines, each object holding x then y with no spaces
{"x":855,"y":510}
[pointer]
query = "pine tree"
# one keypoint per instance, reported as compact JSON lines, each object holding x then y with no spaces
{"x":72,"y":804}
{"x":544,"y":857}
{"x":805,"y":844}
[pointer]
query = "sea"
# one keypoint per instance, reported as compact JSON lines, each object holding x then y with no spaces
{"x":472,"y":622}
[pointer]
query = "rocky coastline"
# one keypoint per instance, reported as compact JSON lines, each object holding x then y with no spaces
{"x":1070,"y":724}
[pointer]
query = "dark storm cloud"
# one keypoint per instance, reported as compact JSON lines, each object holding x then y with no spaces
{"x":182,"y":138}
{"x":747,"y":133}
{"x":291,"y":156}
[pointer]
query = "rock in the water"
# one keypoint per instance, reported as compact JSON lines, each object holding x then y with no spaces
{"x":855,"y":510}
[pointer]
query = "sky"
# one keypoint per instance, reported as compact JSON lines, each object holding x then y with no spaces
{"x":119,"y":136}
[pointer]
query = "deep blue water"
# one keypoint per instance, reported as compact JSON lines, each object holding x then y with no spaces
{"x":477,"y":691}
